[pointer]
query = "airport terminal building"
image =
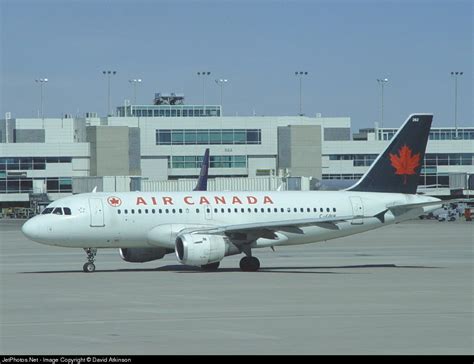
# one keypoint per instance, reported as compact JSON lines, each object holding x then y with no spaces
{"x":153,"y":147}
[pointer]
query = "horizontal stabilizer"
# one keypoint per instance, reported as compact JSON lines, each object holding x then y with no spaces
{"x":398,"y":210}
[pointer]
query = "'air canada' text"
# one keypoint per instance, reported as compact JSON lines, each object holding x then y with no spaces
{"x":206,"y":200}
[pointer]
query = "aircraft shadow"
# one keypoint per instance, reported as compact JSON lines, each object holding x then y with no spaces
{"x":178,"y":268}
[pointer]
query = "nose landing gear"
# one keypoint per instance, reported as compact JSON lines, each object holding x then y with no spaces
{"x":89,"y":267}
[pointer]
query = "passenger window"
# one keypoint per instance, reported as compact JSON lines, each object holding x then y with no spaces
{"x":327,"y":209}
{"x":208,"y":210}
{"x":229,"y":210}
{"x":288,"y":209}
{"x":146,"y":211}
{"x":67,"y":211}
{"x":308,"y":210}
{"x":295,"y":209}
{"x":139,"y":211}
{"x":197,"y":211}
{"x":153,"y":211}
{"x":315,"y":209}
{"x":236,"y":210}
{"x":118,"y":212}
{"x":180,"y":211}
{"x":173,"y":210}
{"x":282,"y":209}
{"x":321,"y":209}
{"x":255,"y":209}
{"x":125,"y":211}
{"x":222,"y":210}
{"x":58,"y":211}
{"x":249,"y":209}
{"x":215,"y":210}
{"x":262,"y":210}
{"x":160,"y":211}
{"x":334,"y":209}
{"x":269,"y":209}
{"x":132,"y":211}
{"x":167,"y":211}
{"x":242,"y":210}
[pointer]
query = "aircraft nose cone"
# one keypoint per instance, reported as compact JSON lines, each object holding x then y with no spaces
{"x":31,"y":229}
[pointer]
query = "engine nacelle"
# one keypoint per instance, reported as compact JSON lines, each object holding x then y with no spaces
{"x":200,"y":249}
{"x":142,"y":255}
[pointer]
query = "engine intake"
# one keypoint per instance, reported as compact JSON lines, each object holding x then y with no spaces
{"x":199,"y":249}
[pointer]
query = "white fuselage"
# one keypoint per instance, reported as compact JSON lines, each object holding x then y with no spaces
{"x":143,"y":219}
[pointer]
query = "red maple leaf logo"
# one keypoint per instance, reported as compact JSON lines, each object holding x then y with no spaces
{"x":114,"y":201}
{"x":405,"y":162}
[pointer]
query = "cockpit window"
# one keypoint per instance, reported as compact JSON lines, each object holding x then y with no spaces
{"x":58,"y":211}
{"x":67,"y":211}
{"x":47,"y":210}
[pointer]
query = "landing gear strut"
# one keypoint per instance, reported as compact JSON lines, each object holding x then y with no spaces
{"x":89,"y":267}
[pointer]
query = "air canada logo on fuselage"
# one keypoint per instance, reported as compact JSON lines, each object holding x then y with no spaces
{"x":114,"y":201}
{"x":405,"y":162}
{"x":205,"y":200}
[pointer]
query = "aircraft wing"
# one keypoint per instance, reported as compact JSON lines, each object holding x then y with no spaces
{"x":267,"y":229}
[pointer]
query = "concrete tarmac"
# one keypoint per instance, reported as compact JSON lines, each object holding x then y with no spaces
{"x":403,"y":289}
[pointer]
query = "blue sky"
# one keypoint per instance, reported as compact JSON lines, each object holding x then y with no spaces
{"x":258,"y":45}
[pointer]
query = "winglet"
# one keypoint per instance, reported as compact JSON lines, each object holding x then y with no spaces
{"x":203,"y":174}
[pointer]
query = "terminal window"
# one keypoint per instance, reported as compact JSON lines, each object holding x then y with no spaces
{"x":208,"y":136}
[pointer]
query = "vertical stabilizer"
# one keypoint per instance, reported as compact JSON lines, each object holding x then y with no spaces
{"x":202,"y":181}
{"x":397,"y":168}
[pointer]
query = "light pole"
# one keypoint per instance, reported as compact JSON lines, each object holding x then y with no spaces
{"x":134,"y":83}
{"x":455,"y":75}
{"x":382,"y":82}
{"x":108,"y":73}
{"x":221,"y":83}
{"x":301,"y":74}
{"x":41,"y":82}
{"x":203,"y":74}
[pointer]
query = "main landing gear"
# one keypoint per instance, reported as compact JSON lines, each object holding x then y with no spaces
{"x":89,"y":267}
{"x":248,"y":263}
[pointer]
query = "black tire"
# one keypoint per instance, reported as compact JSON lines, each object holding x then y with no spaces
{"x":88,"y":267}
{"x":255,"y":264}
{"x":249,"y":264}
{"x":211,"y":267}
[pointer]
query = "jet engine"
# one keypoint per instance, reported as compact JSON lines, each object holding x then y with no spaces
{"x":199,"y":249}
{"x":142,"y":255}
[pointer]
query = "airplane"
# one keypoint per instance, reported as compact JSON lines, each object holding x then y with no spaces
{"x":203,"y":227}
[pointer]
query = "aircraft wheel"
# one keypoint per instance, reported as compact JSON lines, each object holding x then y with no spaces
{"x":212,"y":267}
{"x":249,"y":264}
{"x":88,"y":267}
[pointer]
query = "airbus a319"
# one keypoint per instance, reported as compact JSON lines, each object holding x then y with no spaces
{"x":203,"y":227}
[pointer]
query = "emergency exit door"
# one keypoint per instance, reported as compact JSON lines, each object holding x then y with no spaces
{"x":96,"y":212}
{"x":357,"y":210}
